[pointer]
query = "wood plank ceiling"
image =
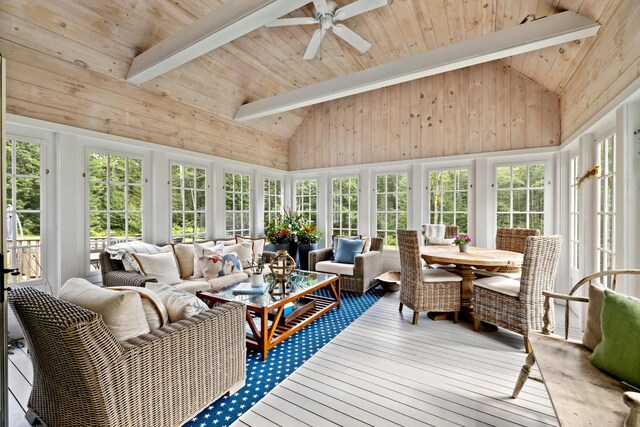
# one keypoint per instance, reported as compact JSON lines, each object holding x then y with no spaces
{"x":68,"y":60}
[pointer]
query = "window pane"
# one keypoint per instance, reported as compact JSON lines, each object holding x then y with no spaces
{"x":135,"y":225}
{"x":503,"y":176}
{"x":519,"y":176}
{"x":536,"y":176}
{"x":27,"y":158}
{"x":98,"y":167}
{"x":116,"y":197}
{"x":117,"y":168}
{"x":504,"y":201}
{"x":135,"y":171}
{"x":135,"y":198}
{"x":519,"y":200}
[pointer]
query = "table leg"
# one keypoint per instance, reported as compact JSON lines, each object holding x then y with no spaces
{"x":466,"y":297}
{"x":264,"y":333}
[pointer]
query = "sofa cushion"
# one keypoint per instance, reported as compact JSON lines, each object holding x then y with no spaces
{"x":199,"y":250}
{"x":194,"y":285}
{"x":154,"y":310}
{"x":243,"y":251}
{"x":617,"y":353}
{"x":122,"y":311}
{"x":231,"y":279}
{"x":335,"y":268}
{"x":499,"y":284}
{"x":347,"y":249}
{"x":123,"y":251}
{"x":258,"y":243}
{"x":161,"y":266}
{"x":180,"y":304}
{"x":184,"y":256}
{"x":438,"y":276}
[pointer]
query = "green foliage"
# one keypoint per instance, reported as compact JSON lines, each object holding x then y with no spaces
{"x":25,"y":157}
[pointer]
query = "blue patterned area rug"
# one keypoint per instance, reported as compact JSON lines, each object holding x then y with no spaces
{"x":283,"y":359}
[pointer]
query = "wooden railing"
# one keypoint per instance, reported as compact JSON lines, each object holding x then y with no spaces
{"x":27,"y":258}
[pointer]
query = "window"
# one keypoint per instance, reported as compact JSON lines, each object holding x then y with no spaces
{"x":449,"y":198}
{"x":188,"y":203}
{"x":574,"y":213}
{"x":272,"y":199}
{"x":307,"y":199}
{"x":115,"y":202}
{"x":345,"y":205}
{"x":606,"y":212}
{"x":520,"y":196}
{"x":24,"y":212}
{"x":391,"y":206}
{"x":238,"y":201}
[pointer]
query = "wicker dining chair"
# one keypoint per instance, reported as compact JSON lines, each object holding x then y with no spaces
{"x":518,"y":305}
{"x":509,"y":239}
{"x":425,"y":290}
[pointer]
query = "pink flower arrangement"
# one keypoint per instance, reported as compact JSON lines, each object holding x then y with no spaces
{"x":462,"y":239}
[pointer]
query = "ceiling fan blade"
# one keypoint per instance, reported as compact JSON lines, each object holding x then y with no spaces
{"x":357,"y":8}
{"x":351,"y":37}
{"x":321,"y":6}
{"x":292,"y":21}
{"x":314,"y":44}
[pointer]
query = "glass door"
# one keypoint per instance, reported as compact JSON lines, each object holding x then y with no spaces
{"x":4,"y":357}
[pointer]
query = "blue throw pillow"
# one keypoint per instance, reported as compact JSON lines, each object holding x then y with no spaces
{"x":348,"y":249}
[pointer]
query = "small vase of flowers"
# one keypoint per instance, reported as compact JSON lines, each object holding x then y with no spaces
{"x":257,"y":269}
{"x":463,"y":241}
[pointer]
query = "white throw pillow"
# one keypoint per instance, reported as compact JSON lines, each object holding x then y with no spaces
{"x":242,"y":250}
{"x":154,"y":310}
{"x":198,"y":252}
{"x":162,"y":267}
{"x":121,"y":311}
{"x":258,"y":243}
{"x":184,"y":256}
{"x":180,"y":304}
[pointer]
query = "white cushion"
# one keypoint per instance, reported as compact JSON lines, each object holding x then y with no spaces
{"x":243,"y":250}
{"x":198,"y":252}
{"x":161,"y":266}
{"x":229,"y":279}
{"x":193,"y":285}
{"x":180,"y":304}
{"x":500,"y":284}
{"x":184,"y":256}
{"x":121,"y":311}
{"x":258,"y":243}
{"x":336,"y":268}
{"x":436,"y":275}
{"x":486,"y":273}
{"x":154,"y":310}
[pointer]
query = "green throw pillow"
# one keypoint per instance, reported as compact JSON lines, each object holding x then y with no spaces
{"x":619,"y":351}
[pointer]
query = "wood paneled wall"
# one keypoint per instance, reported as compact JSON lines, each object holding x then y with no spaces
{"x":484,"y":108}
{"x":611,"y":63}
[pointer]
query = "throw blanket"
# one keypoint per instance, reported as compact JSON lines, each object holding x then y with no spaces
{"x":434,"y":234}
{"x":122,"y":251}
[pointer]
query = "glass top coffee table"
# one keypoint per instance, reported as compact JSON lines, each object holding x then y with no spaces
{"x":265,"y":313}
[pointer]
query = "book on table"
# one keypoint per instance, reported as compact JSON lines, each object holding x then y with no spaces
{"x":248,"y":289}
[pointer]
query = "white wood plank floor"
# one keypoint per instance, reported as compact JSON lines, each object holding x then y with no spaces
{"x":382,"y":370}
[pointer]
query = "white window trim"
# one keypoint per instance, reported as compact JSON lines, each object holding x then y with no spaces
{"x":87,"y":184}
{"x":263,"y":194}
{"x":252,"y":198}
{"x":470,"y":192}
{"x":207,"y":191}
{"x":294,"y":197}
{"x":358,"y":175}
{"x":612,"y":216}
{"x":43,"y":206}
{"x":375,"y":173}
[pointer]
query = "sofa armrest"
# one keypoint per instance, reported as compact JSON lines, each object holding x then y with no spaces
{"x":207,"y":349}
{"x":319,"y":255}
{"x":368,"y":266}
{"x":125,"y":278}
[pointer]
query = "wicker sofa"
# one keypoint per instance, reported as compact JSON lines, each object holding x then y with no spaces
{"x":84,"y":376}
{"x":359,"y":277}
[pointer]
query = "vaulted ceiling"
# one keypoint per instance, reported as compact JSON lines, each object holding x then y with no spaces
{"x":69,"y":58}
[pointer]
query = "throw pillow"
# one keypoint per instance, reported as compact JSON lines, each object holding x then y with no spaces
{"x":185,"y":257}
{"x":180,"y":304}
{"x":198,"y":252}
{"x":154,"y":310}
{"x":367,"y":245}
{"x":230,"y":264}
{"x":258,"y":243}
{"x":618,"y":353}
{"x":432,"y":241}
{"x":242,"y":250}
{"x":211,"y":266}
{"x":122,"y":311}
{"x":347,"y":249}
{"x":161,"y":266}
{"x":336,"y":237}
{"x":592,"y":332}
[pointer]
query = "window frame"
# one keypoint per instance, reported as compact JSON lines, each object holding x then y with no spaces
{"x":374,"y":220}
{"x":330,"y":197}
{"x":609,"y":216}
{"x":307,"y":214}
{"x":143,"y":165}
{"x":242,"y":230}
{"x":575,"y":211}
{"x":43,"y":205}
{"x":455,"y":192}
{"x":266,"y":214}
{"x":206,"y":211}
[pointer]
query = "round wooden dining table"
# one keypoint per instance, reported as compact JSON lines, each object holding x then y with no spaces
{"x":485,"y":258}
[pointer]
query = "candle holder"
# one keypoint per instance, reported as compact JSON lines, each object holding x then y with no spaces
{"x":282,"y":265}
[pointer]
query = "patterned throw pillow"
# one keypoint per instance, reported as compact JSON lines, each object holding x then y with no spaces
{"x":199,"y":250}
{"x":217,"y":265}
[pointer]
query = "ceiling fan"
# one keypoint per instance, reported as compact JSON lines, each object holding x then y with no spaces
{"x":327,"y":14}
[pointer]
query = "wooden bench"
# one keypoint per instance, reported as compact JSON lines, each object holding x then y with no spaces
{"x":581,"y":394}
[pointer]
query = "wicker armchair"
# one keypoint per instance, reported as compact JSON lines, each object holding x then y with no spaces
{"x":114,"y":274}
{"x":366,"y":269}
{"x":425,"y":290}
{"x":518,"y":305}
{"x":83,"y":376}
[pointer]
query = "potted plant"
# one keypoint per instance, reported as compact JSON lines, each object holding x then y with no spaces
{"x":281,"y":233}
{"x":308,"y":237}
{"x":463,"y":241}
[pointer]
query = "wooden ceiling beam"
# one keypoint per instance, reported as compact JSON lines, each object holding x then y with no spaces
{"x":225,"y":24}
{"x":534,"y":35}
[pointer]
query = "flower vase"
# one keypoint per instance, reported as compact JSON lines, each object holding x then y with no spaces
{"x":464,"y":248}
{"x":257,"y":280}
{"x":303,"y":254}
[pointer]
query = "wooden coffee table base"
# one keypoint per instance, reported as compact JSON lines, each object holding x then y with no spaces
{"x":264,"y":337}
